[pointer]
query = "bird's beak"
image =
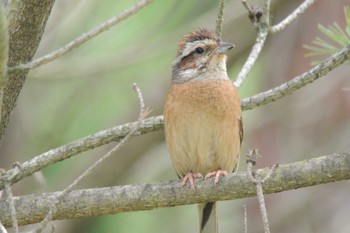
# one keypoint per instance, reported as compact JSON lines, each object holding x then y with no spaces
{"x":223,"y":47}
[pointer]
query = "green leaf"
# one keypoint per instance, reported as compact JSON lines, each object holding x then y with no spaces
{"x":334,"y":38}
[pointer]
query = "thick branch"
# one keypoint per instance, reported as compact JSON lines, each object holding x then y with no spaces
{"x":98,"y":139}
{"x":26,"y":26}
{"x":112,"y":200}
{"x":66,"y":191}
{"x":156,"y":123}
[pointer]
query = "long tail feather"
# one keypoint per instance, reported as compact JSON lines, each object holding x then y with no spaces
{"x":208,"y":218}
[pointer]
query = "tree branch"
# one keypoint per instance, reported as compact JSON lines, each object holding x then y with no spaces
{"x":67,"y":190}
{"x":112,"y":200}
{"x":156,"y":123}
{"x":253,"y":56}
{"x":81,"y":39}
{"x":290,"y":18}
{"x":220,"y":17}
{"x":96,"y":140}
{"x":260,"y":18}
{"x":25,"y":27}
{"x":299,"y":81}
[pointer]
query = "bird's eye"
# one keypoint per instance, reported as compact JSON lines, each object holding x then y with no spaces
{"x":199,"y":50}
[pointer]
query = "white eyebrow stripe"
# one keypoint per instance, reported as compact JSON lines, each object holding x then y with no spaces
{"x":190,"y":45}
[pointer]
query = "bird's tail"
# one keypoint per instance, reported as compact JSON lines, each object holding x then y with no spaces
{"x":208,"y":218}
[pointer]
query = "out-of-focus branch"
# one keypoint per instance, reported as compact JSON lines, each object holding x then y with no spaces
{"x":220,"y":18}
{"x":290,"y":18}
{"x":82,"y":39}
{"x":298,"y":82}
{"x":112,"y":200}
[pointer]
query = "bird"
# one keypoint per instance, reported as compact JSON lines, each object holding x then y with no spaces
{"x":202,"y":116}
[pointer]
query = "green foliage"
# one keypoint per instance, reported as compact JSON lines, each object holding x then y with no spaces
{"x":336,"y":38}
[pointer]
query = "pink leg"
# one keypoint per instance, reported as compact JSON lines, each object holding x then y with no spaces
{"x":217,"y":175}
{"x":189,"y":177}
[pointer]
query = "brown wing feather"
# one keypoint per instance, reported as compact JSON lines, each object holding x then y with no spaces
{"x":241,"y":129}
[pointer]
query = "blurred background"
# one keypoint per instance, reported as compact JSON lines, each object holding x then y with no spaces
{"x":90,"y":89}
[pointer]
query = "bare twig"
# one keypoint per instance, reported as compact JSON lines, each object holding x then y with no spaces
{"x":298,"y":82}
{"x":82,"y":39}
{"x":245,"y":218}
{"x":137,"y":197}
{"x":255,"y":15}
{"x":267,"y":6}
{"x":9,"y":197}
{"x":261,"y":198}
{"x":252,"y":156}
{"x":290,"y":18}
{"x":220,"y":18}
{"x":259,"y":43}
{"x":270,"y":172}
{"x":93,"y":167}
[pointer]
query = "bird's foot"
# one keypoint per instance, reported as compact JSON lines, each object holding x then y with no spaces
{"x":217,"y":175}
{"x":189,"y":177}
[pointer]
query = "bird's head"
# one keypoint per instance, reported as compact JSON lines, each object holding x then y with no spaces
{"x":201,"y":55}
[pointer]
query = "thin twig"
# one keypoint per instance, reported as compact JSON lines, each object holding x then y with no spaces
{"x":269,"y":174}
{"x":98,"y":139}
{"x":93,"y":167}
{"x":261,"y":198}
{"x":251,"y":160}
{"x":255,"y":15}
{"x":9,"y":197}
{"x":245,"y":218}
{"x":220,"y":18}
{"x":290,"y":18}
{"x":259,"y":43}
{"x":82,"y":39}
{"x":267,"y":12}
{"x":298,"y":82}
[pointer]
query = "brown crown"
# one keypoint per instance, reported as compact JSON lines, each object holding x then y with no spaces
{"x":197,"y":34}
